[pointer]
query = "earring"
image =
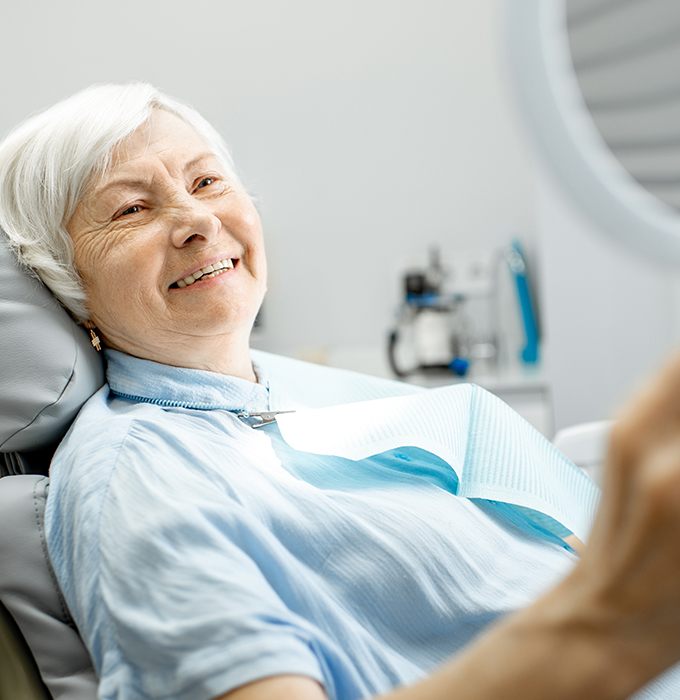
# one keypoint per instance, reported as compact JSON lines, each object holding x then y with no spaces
{"x":94,"y":339}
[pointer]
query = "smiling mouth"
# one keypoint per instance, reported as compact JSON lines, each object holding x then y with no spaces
{"x":217,"y":268}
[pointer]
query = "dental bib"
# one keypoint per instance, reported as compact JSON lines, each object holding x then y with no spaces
{"x":495,"y":454}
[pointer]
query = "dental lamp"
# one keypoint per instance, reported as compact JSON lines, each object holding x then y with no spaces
{"x":598,"y":83}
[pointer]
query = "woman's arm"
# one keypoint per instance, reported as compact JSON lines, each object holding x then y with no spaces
{"x":614,"y":623}
{"x":543,"y":652}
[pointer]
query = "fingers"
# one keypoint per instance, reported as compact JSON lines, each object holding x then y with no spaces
{"x":632,"y":563}
{"x":659,"y":484}
{"x":653,"y":414}
{"x":649,"y":425}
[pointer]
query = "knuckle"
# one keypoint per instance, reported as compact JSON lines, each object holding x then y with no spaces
{"x":624,"y":445}
{"x":659,"y":483}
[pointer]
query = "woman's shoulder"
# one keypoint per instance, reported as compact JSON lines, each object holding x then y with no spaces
{"x":106,"y":431}
{"x":103,"y":422}
{"x":113,"y":446}
{"x":112,"y":435}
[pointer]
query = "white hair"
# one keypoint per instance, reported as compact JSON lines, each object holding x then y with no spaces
{"x":48,"y":160}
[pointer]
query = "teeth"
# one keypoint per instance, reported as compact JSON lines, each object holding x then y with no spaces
{"x":207,"y":271}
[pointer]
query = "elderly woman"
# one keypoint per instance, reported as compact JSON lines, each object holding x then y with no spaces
{"x":196,"y":569}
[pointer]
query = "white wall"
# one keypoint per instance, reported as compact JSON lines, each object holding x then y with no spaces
{"x":369,"y":129}
{"x":610,"y":317}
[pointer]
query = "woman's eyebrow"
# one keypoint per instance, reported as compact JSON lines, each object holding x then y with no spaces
{"x":207,"y":155}
{"x":135,"y":182}
{"x":123,"y":183}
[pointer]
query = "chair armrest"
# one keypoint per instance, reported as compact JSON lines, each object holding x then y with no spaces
{"x":585,"y":444}
{"x":20,"y":677}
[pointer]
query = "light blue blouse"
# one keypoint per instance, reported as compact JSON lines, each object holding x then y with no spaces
{"x":192,"y":565}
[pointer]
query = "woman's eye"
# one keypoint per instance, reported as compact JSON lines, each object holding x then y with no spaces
{"x":134,"y":209}
{"x":205,"y":182}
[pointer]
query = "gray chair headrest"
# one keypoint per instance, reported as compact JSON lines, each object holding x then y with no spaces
{"x":47,"y":367}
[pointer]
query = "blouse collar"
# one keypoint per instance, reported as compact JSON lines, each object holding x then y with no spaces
{"x":152,"y":382}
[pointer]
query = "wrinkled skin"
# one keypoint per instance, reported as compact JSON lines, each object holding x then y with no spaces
{"x":168,"y":206}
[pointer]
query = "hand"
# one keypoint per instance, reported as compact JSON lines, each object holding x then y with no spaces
{"x":629,"y":574}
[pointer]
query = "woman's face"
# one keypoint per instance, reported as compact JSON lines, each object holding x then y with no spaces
{"x":168,"y":212}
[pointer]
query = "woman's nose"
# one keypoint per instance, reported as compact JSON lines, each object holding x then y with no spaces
{"x":194,"y":220}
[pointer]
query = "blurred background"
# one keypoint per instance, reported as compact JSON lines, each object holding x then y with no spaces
{"x":403,"y":205}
